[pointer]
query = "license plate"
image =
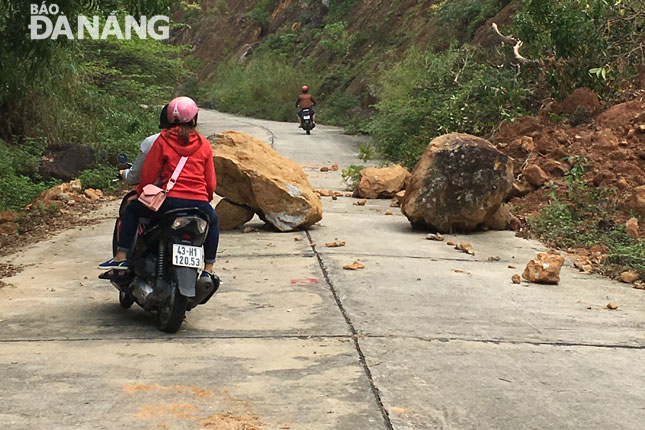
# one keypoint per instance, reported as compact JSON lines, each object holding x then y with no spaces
{"x":307,"y":117}
{"x":186,"y":256}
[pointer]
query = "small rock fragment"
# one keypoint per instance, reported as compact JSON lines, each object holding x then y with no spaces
{"x":583,"y":264}
{"x":335,"y":244}
{"x":334,"y":167}
{"x":511,"y":266}
{"x":435,"y":236}
{"x":465,"y":247}
{"x":491,"y":259}
{"x":544,"y":269}
{"x":361,"y":202}
{"x":297,"y":239}
{"x":348,"y":194}
{"x":516,"y":279}
{"x":249,"y":230}
{"x":354,"y":266}
{"x":324,"y":193}
{"x":612,"y":306}
{"x":324,"y":169}
{"x":388,"y":212}
{"x":631,"y":228}
{"x":450,"y":243}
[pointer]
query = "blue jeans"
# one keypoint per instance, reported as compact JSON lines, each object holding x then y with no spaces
{"x":136,"y":210}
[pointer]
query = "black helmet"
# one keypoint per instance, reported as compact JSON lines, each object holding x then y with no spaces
{"x":163,"y":118}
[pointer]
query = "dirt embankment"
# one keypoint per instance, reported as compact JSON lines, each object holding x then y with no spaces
{"x":605,"y":146}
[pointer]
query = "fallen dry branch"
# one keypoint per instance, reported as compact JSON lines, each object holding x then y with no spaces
{"x":517,"y":45}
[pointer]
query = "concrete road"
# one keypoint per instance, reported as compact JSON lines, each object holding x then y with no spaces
{"x":425,"y":337}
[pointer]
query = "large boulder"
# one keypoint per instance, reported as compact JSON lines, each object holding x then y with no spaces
{"x":459,"y":183}
{"x":382,"y":182}
{"x":231,"y":215}
{"x":251,"y":173}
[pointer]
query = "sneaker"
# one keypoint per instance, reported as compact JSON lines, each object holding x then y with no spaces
{"x":114,"y":265}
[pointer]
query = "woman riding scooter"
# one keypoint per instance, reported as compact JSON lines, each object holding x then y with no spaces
{"x":194,"y":186}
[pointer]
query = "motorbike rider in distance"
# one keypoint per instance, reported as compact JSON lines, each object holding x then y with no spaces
{"x":306,"y":101}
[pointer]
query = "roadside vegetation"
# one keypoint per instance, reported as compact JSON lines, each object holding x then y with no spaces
{"x":102,"y":94}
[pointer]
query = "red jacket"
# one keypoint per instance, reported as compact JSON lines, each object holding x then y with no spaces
{"x":197,"y":179}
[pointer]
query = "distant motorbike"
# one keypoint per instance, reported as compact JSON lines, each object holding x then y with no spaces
{"x":164,"y":264}
{"x":307,"y":121}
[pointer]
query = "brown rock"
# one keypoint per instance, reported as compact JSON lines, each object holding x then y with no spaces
{"x":511,"y":266}
{"x":334,"y":167}
{"x":629,"y":277}
{"x":458,"y":184}
{"x":612,"y":306}
{"x":388,"y":212}
{"x":250,"y":172}
{"x":383,"y":182}
{"x":582,"y":101}
{"x":435,"y":236}
{"x":621,"y":114}
{"x":523,"y":144}
{"x":232,"y":215}
{"x":501,"y":218}
{"x":52,"y":193}
{"x":324,"y":193}
{"x":516,"y":279}
{"x":555,"y":168}
{"x":544,"y":269}
{"x":348,"y":194}
{"x":361,"y":202}
{"x":324,"y":169}
{"x":631,"y":228}
{"x":606,"y":139}
{"x":583,"y":264}
{"x":521,"y":188}
{"x":450,"y":243}
{"x":75,"y":186}
{"x":92,"y":194}
{"x":638,"y":200}
{"x":534,"y":175}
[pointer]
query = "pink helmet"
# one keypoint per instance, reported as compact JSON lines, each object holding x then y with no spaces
{"x":182,"y":110}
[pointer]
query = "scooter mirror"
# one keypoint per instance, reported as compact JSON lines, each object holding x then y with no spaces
{"x":121,"y":158}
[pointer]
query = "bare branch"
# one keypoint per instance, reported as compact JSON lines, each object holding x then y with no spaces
{"x":517,"y":45}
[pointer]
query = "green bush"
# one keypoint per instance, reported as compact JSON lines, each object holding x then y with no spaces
{"x":99,"y":178}
{"x":575,"y":37}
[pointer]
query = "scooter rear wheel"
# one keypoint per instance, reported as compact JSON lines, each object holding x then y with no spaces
{"x":172,"y":314}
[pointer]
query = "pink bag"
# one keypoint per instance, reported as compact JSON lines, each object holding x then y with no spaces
{"x":153,"y":197}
